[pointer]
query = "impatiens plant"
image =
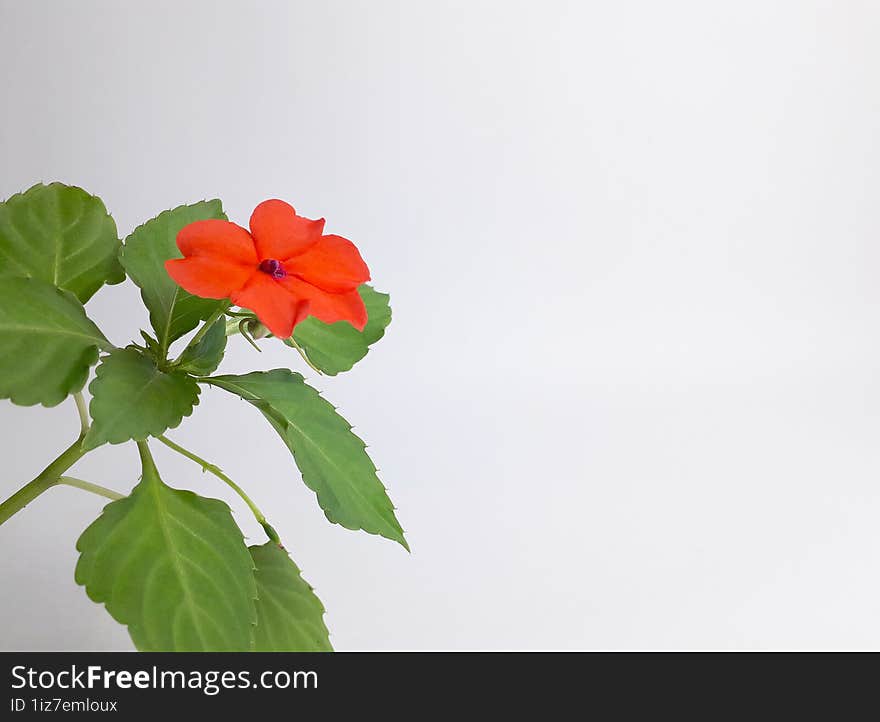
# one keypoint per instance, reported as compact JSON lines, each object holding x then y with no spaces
{"x":170,"y":564}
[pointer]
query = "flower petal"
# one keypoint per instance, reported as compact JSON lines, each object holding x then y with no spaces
{"x":329,"y":307}
{"x":332,"y":264}
{"x":281,"y":234}
{"x":217,"y":238}
{"x":210,"y":276}
{"x":275,"y":306}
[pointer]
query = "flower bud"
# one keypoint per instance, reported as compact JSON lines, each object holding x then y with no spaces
{"x":257,"y":329}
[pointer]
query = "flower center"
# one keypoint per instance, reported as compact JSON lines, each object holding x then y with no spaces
{"x":273,"y":268}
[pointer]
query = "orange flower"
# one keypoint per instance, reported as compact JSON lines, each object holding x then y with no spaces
{"x":283,"y":270}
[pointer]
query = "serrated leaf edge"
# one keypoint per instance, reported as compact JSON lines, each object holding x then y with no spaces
{"x":311,"y":484}
{"x":323,"y":624}
{"x":177,"y":289}
{"x":113,"y":280}
{"x":99,"y":599}
{"x":154,"y":431}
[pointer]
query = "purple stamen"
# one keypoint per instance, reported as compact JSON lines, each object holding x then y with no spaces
{"x":273,"y":268}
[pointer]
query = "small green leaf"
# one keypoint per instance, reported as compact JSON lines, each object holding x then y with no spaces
{"x":133,"y":399}
{"x":173,"y":311}
{"x":61,"y":235}
{"x":152,"y":345}
{"x":333,"y":461}
{"x":378,"y":313}
{"x":173,"y":567}
{"x":204,"y":358}
{"x":47,"y":343}
{"x":290,"y":617}
{"x":336,"y":347}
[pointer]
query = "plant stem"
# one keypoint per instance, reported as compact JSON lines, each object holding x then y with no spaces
{"x":147,"y":464}
{"x":212,"y":319}
{"x":216,"y":471}
{"x":48,"y":478}
{"x":51,"y":475}
{"x":246,"y":335}
{"x":305,"y":356}
{"x":83,"y":412}
{"x":88,"y":486}
{"x":200,"y":334}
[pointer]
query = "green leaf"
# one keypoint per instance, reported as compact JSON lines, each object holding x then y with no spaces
{"x":152,"y":345}
{"x":336,"y":347}
{"x":204,"y":358}
{"x":133,"y":399}
{"x":290,"y":617}
{"x":378,"y":313}
{"x":173,"y":567}
{"x":173,"y":311}
{"x":333,"y":461}
{"x":47,"y":343}
{"x":61,"y":235}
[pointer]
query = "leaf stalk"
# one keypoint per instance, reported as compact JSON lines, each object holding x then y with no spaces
{"x":216,"y":471}
{"x":200,"y":334}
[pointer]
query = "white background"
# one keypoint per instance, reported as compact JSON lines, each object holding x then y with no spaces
{"x":629,"y":397}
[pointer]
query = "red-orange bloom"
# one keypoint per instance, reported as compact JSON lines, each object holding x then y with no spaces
{"x":284,"y":270}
